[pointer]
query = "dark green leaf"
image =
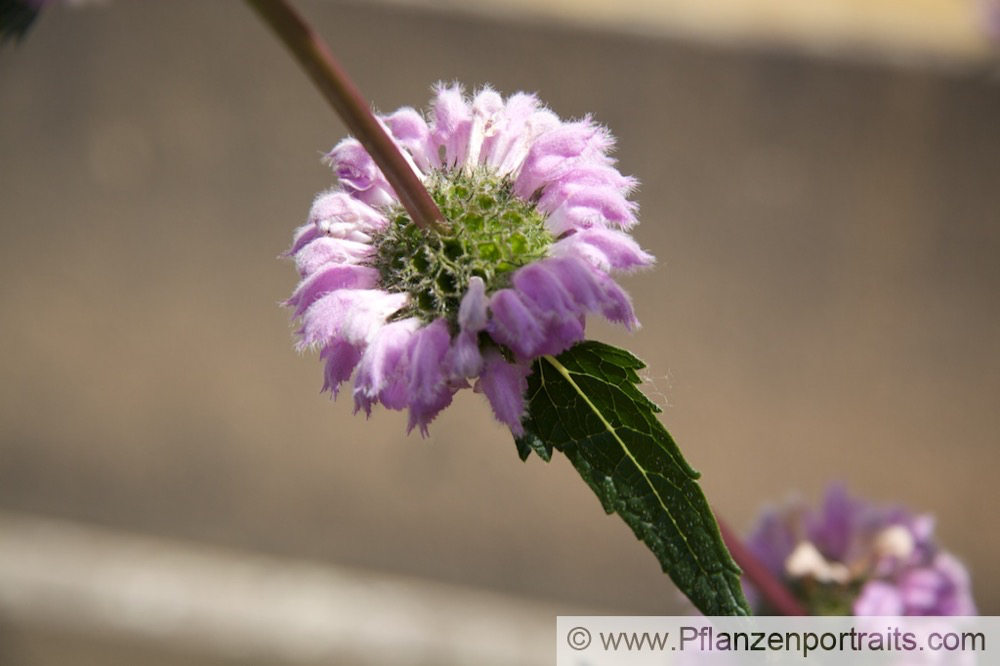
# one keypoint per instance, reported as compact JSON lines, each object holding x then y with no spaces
{"x":586,"y":404}
{"x":531,"y":442}
{"x":16,"y":16}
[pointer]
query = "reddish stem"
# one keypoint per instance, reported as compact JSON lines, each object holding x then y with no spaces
{"x":769,"y":587}
{"x":338,"y":89}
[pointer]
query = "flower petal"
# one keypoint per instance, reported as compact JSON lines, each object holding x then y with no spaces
{"x":606,"y":249}
{"x":487,"y":110}
{"x":878,"y":598}
{"x":426,"y":353}
{"x":410,"y":131}
{"x":423,"y":412}
{"x":331,"y":278}
{"x":561,"y":334}
{"x":587,"y":207}
{"x":325,"y":250}
{"x":336,"y":213}
{"x":559,"y":151}
{"x":452,"y":124}
{"x":586,"y":175}
{"x":514,"y":324}
{"x":341,"y":358}
{"x":616,"y":306}
{"x":580,"y":280}
{"x":429,"y":388}
{"x":472,"y":314}
{"x":359,"y":174}
{"x":539,"y":285}
{"x":523,"y":120}
{"x":504,"y":385}
{"x":352,"y":315}
{"x":464,"y":358}
{"x":302,"y":237}
{"x":383,"y":364}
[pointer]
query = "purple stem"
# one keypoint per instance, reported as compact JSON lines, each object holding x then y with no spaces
{"x":769,"y":587}
{"x":338,"y":89}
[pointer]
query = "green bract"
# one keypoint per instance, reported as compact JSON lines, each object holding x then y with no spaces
{"x":490,"y":234}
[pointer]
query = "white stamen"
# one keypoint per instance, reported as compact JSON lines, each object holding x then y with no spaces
{"x":806,"y":560}
{"x":894,"y":541}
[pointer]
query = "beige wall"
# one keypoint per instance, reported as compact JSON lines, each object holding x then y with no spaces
{"x":929,"y":31}
{"x":825,"y":306}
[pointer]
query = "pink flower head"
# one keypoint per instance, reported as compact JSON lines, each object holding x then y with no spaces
{"x":537,"y":217}
{"x":853,"y":557}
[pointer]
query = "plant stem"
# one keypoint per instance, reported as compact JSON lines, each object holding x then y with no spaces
{"x":338,"y":89}
{"x":769,"y":587}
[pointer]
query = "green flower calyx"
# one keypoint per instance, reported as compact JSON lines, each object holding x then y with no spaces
{"x":489,"y":233}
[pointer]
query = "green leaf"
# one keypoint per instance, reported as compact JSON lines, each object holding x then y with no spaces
{"x":586,"y":404}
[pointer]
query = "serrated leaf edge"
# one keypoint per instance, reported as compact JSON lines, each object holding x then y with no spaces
{"x":567,"y":375}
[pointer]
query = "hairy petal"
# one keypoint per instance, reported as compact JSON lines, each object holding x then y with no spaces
{"x":465,"y":359}
{"x":487,"y":110}
{"x":561,"y":333}
{"x":410,"y":131}
{"x":423,"y":412}
{"x":585,"y":175}
{"x":617,"y":306}
{"x":590,"y":290}
{"x":303,"y":235}
{"x":514,"y":324}
{"x":539,"y":285}
{"x":359,"y":174}
{"x":587,"y":207}
{"x":429,"y":388}
{"x":559,"y":151}
{"x":605,"y":249}
{"x":341,"y":358}
{"x":524,"y":120}
{"x":452,"y":124}
{"x":472,"y":313}
{"x":325,"y":250}
{"x":383,"y":365}
{"x":339,"y":215}
{"x":331,"y":278}
{"x":552,"y":305}
{"x":426,"y":352}
{"x":580,"y":281}
{"x":352,"y":315}
{"x":504,"y":385}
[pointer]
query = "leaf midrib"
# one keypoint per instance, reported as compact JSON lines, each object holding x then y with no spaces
{"x":562,"y":370}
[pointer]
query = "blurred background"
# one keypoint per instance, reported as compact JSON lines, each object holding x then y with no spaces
{"x":821,"y":185}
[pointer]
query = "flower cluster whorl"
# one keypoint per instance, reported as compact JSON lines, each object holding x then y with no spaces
{"x":854,"y":558}
{"x":536,"y":217}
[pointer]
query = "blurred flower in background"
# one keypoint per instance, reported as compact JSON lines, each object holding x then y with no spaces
{"x":851,"y":557}
{"x":990,"y":12}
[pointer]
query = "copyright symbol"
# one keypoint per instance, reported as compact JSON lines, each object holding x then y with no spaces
{"x":578,"y":638}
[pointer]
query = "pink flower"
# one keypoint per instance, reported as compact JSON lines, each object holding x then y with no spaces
{"x":855,"y":558}
{"x":537,"y":216}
